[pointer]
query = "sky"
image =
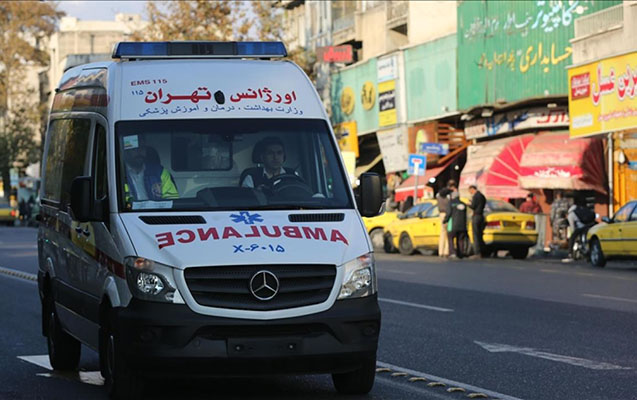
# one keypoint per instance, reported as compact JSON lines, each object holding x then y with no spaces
{"x":100,"y":10}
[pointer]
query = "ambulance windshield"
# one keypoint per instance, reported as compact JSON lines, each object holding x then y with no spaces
{"x":228,"y":164}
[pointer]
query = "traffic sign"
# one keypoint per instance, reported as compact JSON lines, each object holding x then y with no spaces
{"x":417,"y":164}
{"x":434,"y":148}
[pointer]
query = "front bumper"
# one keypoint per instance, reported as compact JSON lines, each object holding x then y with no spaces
{"x":170,"y":339}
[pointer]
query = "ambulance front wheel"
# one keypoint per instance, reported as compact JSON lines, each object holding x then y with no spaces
{"x":120,"y":380}
{"x":359,"y":381}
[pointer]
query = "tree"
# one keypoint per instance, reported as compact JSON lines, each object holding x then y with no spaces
{"x":269,"y":17}
{"x":194,"y":20}
{"x":17,"y":138}
{"x":24,"y":26}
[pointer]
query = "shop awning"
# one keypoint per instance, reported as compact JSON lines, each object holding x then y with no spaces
{"x":553,"y":161}
{"x":494,"y":167}
{"x":406,"y":188}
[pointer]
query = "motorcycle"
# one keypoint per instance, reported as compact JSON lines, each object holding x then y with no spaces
{"x":580,"y":250}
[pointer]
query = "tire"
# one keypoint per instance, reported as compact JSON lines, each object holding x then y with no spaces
{"x":64,"y":349}
{"x":377,"y":237}
{"x":359,"y":381}
{"x":120,"y":379}
{"x":519,"y":253}
{"x":388,"y":244}
{"x":405,"y":246}
{"x":596,"y":254}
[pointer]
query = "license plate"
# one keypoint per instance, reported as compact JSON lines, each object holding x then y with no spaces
{"x":264,"y":347}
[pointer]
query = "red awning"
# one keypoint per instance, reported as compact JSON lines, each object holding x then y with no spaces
{"x":494,"y":167}
{"x":554,"y":161}
{"x":406,"y":188}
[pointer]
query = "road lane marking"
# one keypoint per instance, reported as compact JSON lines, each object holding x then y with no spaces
{"x":397,"y":272}
{"x":598,"y":296}
{"x":19,"y":274}
{"x":527,"y":351}
{"x":88,"y":377}
{"x":406,"y":303}
{"x":446,"y":381}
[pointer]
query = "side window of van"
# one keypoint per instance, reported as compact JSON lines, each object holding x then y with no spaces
{"x":75,"y":149}
{"x":55,"y":159}
{"x":99,"y":163}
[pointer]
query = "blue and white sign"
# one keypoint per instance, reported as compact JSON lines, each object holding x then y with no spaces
{"x":417,"y":164}
{"x":434,"y":148}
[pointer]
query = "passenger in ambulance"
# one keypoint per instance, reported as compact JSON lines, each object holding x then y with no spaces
{"x":146,"y":178}
{"x":270,"y":152}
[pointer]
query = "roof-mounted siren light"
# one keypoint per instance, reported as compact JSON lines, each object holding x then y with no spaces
{"x":199,"y":49}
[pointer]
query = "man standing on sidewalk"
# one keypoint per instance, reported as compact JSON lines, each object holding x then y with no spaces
{"x":443,"y":203}
{"x":478,"y":202}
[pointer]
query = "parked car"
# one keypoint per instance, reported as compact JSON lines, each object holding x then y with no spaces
{"x":408,"y":222}
{"x":8,"y":214}
{"x":375,"y":226}
{"x":506,"y":229}
{"x":615,"y":237}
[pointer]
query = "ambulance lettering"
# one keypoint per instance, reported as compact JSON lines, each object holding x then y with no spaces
{"x":167,"y":239}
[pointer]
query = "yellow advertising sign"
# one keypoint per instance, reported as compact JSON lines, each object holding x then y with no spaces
{"x":387,"y":103}
{"x":347,"y":136}
{"x":602,"y":96}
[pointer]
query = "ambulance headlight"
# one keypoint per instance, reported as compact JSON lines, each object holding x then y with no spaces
{"x":149,"y":280}
{"x":359,"y":277}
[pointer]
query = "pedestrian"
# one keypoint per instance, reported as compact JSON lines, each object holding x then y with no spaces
{"x":456,"y":222}
{"x":443,"y":202}
{"x":580,"y":219}
{"x":478,"y":202}
{"x":530,"y":205}
{"x":407,"y":204}
{"x":559,"y":211}
{"x":390,"y":203}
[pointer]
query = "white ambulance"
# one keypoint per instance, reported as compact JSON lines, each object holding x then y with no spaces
{"x":197,"y":220}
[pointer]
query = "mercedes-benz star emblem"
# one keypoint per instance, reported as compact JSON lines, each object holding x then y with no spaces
{"x":264,"y":285}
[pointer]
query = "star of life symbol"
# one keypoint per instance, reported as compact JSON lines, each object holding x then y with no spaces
{"x":246,"y":217}
{"x":264,"y":285}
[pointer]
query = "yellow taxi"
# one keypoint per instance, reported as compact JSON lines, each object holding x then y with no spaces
{"x":375,"y":226}
{"x":506,"y":229}
{"x":616,"y":237}
{"x":8,"y":214}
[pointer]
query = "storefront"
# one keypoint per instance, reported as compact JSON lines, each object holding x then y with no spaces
{"x":603,"y":104}
{"x":494,"y":168}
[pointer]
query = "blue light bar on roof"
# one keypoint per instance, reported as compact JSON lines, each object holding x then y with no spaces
{"x":141,"y":50}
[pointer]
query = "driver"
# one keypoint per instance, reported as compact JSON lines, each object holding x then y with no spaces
{"x":272,"y":157}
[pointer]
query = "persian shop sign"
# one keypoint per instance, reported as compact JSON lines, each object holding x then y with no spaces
{"x":602,"y":96}
{"x":336,"y":54}
{"x":501,"y":123}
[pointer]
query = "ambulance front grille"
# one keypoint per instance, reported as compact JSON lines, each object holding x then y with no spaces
{"x":229,"y":286}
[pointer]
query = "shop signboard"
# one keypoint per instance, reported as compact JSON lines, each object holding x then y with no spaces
{"x":512,"y":50}
{"x":603,"y":96}
{"x":387,"y":74}
{"x":335,"y":54}
{"x":393,"y":148}
{"x":347,"y":136}
{"x":387,"y":114}
{"x":353,"y":96}
{"x":538,"y":118}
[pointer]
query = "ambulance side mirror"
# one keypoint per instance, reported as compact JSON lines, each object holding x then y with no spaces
{"x":371,"y":194}
{"x":83,"y":204}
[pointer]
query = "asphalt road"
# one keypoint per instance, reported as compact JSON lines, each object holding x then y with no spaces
{"x":532,"y":329}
